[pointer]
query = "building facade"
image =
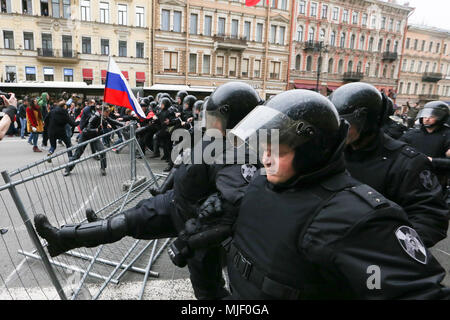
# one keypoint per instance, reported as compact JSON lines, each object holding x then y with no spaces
{"x":205,"y":43}
{"x":347,"y":40}
{"x":425,"y":70}
{"x":70,"y":40}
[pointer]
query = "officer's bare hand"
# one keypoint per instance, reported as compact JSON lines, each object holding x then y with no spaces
{"x":212,"y":207}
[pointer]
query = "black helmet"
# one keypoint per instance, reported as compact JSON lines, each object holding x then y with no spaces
{"x":197,"y":109}
{"x":166,"y":102}
{"x":144,"y":102}
{"x":437,"y":109}
{"x":181,"y":94}
{"x":150,"y":98}
{"x":306,"y":121}
{"x":158,"y":96}
{"x":189,"y":100}
{"x":153,"y":105}
{"x":362,"y":105}
{"x":229,"y":104}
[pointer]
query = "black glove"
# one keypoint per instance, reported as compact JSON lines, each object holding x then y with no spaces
{"x":10,"y":111}
{"x":179,"y":250}
{"x":154,"y":191}
{"x":212,"y":207}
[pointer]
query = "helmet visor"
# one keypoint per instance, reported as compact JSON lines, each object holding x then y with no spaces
{"x":431,"y":112}
{"x":267,"y":125}
{"x":215,"y":119}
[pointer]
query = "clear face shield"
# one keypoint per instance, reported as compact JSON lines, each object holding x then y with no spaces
{"x":430,"y":113}
{"x":356,"y":119}
{"x":215,"y":120}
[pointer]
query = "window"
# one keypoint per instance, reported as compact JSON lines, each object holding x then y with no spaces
{"x":140,"y":22}
{"x":416,"y":88}
{"x":28,"y":41}
{"x":259,"y":32}
{"x":423,"y":45}
{"x":104,"y":43}
{"x":364,"y":19}
{"x":324,"y":11}
{"x":367,"y":69}
{"x":234,"y":28}
{"x":434,"y":67}
{"x":85,"y":10}
{"x":419,"y":67}
{"x":274,"y":70}
{"x":355,"y":17}
{"x":67,"y":46}
{"x":391,"y":24}
{"x":68,"y":75}
{"x":104,"y":12}
{"x":408,"y":87}
{"x":431,"y":46}
{"x":221,"y":27}
{"x":30,"y":73}
{"x":388,"y":45}
{"x":340,"y":66}
{"x":408,"y":40}
{"x":352,"y":41}
{"x":49,"y":74}
{"x":345,"y":16}
{"x":333,"y":38}
{"x":55,"y":9}
{"x":438,"y":47}
{"x":400,"y":88}
{"x":219,"y":65}
{"x":335,"y":13}
{"x":313,"y":9}
{"x":282,"y":31}
{"x":122,"y":14}
{"x":165,"y":20}
{"x":427,"y":66}
{"x":311,"y":34}
{"x":139,"y":50}
{"x":405,"y":63}
{"x":411,"y":67}
{"x":247,"y":27}
{"x":342,"y":42}
{"x":170,"y":61}
{"x":244,"y":68}
{"x":193,"y":23}
{"x":206,"y":64}
{"x":396,"y":46}
{"x":322,"y":35}
{"x":359,"y":67}
{"x":8,"y":39}
{"x":122,"y":48}
{"x":86,"y":45}
{"x":44,"y":8}
{"x":47,"y":45}
{"x":445,"y":48}
{"x":350,"y":66}
{"x":374,"y":21}
{"x":232,"y":69}
{"x":177,"y":21}
{"x":399,"y":26}
{"x":207,"y":26}
{"x":66,"y":9}
{"x":192,"y":63}
{"x":11,"y":74}
{"x":27,"y":6}
{"x":298,"y":60}
{"x":330,"y":66}
{"x":380,"y":45}
{"x":283,"y":4}
{"x":362,"y":41}
{"x":308,"y":63}
{"x":371,"y":44}
{"x":302,"y":6}
{"x":383,"y":22}
{"x":273,"y":33}
{"x":257,"y":68}
{"x":377,"y":70}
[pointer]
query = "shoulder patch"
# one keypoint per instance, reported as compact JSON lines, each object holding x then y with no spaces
{"x":369,"y":195}
{"x":409,"y":152}
{"x":412,"y":244}
{"x":248,"y":171}
{"x":427,"y":179}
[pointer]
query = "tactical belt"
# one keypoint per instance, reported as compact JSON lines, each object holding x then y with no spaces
{"x":256,"y":276}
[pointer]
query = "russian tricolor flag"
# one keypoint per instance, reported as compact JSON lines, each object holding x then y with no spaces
{"x":118,"y":92}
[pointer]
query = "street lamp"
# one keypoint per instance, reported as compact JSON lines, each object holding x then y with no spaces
{"x":320,"y":47}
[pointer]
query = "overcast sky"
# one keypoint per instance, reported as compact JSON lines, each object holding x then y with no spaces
{"x":433,"y":13}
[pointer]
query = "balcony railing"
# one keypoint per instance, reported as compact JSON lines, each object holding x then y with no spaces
{"x":432,"y":76}
{"x":312,"y":45}
{"x":390,"y":56}
{"x":428,"y":97}
{"x":353,"y":76}
{"x":229,"y":42}
{"x":56,"y":54}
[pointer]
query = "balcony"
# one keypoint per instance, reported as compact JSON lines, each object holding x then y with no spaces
{"x":352,"y":76}
{"x":431,"y":77}
{"x":229,"y":43}
{"x":56,"y":55}
{"x":312,"y":45}
{"x":390,"y":56}
{"x":428,"y":97}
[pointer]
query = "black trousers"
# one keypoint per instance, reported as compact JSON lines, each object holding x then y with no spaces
{"x":156,"y":218}
{"x":96,"y":146}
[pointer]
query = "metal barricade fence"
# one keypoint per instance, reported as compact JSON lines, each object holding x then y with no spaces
{"x":26,"y":271}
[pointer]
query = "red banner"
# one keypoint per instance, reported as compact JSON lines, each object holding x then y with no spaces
{"x":251,"y":3}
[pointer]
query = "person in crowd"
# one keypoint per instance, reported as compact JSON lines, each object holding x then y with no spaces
{"x":35,"y":122}
{"x":10,"y":111}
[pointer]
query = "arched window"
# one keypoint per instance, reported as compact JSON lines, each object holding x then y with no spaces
{"x":350,"y":66}
{"x":380,"y":45}
{"x":330,"y":65}
{"x":359,"y":67}
{"x":388,"y":45}
{"x":396,"y":46}
{"x":371,"y":44}
{"x":367,"y":69}
{"x":377,"y":70}
{"x":434,"y":67}
{"x":342,"y":43}
{"x":384,"y":71}
{"x":352,"y":41}
{"x":393,"y":72}
{"x":311,"y":34}
{"x":298,"y":60}
{"x":333,"y":38}
{"x":300,"y":34}
{"x":309,"y":63}
{"x":362,"y":41}
{"x":340,"y":66}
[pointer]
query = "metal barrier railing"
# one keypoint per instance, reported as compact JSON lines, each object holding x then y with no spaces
{"x":40,"y":188}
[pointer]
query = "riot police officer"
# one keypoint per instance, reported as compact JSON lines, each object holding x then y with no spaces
{"x":308,"y":230}
{"x":391,"y":167}
{"x":179,"y":99}
{"x":165,"y":215}
{"x":433,"y":137}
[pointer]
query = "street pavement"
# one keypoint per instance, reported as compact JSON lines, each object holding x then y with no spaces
{"x":172,"y":284}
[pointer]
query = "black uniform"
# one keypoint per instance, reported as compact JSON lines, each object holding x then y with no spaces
{"x":327,"y":234}
{"x":58,"y":119}
{"x":404,"y":176}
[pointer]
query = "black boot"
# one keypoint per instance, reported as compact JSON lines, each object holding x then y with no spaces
{"x":91,"y":216}
{"x":80,"y":235}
